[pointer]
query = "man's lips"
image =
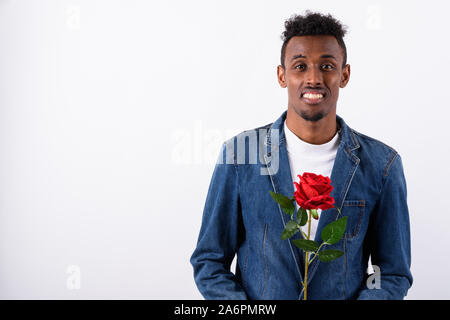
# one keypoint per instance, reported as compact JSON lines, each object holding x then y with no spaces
{"x":313,"y":96}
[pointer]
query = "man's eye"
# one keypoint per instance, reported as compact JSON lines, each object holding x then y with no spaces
{"x":327,"y":67}
{"x":300,"y":67}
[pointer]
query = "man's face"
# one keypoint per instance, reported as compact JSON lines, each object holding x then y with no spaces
{"x":313,"y":74}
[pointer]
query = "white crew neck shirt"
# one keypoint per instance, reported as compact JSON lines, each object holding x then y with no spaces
{"x":306,"y":157}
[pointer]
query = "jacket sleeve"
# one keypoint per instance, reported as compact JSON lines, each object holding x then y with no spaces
{"x":389,"y":239}
{"x":219,"y":236}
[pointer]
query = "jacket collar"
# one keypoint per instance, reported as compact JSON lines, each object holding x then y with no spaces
{"x":348,"y":138}
{"x":344,"y":168}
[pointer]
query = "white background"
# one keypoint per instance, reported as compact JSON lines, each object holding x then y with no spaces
{"x":112,"y":114}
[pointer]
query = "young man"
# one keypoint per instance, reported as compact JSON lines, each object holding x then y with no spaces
{"x":369,"y":187}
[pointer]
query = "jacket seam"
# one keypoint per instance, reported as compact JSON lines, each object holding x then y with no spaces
{"x":362,"y":135}
{"x":244,"y":276}
{"x":387,"y":175}
{"x":237,"y":177}
{"x":265,"y":261}
{"x":345,"y":267}
{"x":360,"y":203}
{"x":388,"y":166}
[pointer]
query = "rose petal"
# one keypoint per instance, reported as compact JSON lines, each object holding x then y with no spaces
{"x":309,"y":191}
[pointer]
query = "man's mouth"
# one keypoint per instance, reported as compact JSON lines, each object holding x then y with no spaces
{"x":311,"y":97}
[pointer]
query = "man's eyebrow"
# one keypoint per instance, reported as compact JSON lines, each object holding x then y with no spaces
{"x":298,"y":56}
{"x":322,"y":56}
{"x":328,"y":56}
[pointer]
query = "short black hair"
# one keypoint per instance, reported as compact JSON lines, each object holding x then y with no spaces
{"x":313,"y":24}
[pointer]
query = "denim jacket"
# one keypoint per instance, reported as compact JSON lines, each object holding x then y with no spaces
{"x":240,"y":217}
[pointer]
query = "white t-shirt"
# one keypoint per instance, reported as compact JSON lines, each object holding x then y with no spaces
{"x":306,"y":157}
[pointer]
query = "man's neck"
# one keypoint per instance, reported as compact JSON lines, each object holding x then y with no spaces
{"x":317,"y":132}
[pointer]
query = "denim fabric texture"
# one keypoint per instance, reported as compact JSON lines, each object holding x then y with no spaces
{"x":240,"y":217}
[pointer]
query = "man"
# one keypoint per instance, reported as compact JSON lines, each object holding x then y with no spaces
{"x":369,"y":187}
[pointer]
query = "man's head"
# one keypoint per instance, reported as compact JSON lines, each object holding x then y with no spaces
{"x":313,"y":64}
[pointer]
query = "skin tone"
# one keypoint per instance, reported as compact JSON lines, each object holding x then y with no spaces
{"x":313,"y":64}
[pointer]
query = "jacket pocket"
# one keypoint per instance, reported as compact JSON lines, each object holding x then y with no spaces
{"x":354,"y":210}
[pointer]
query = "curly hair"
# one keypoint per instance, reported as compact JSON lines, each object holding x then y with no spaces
{"x":311,"y":24}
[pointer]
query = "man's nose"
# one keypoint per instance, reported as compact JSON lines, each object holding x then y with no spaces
{"x":314,"y":77}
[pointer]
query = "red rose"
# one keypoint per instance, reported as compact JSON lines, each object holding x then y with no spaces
{"x":313,"y":192}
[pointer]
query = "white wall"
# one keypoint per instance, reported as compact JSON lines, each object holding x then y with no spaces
{"x":112,"y":114}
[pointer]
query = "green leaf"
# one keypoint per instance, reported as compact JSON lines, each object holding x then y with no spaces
{"x":314,"y":214}
{"x":306,"y":245}
{"x":330,"y":255}
{"x":290,"y":229}
{"x":302,"y":216}
{"x":286,"y":204}
{"x":334,"y":231}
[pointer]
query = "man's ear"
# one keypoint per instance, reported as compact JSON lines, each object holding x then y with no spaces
{"x":345,"y":76}
{"x":281,"y":77}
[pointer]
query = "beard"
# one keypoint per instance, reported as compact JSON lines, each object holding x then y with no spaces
{"x":314,"y":117}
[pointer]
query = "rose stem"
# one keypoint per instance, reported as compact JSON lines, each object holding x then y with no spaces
{"x":305,"y":285}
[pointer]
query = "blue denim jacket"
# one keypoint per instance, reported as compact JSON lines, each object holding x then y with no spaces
{"x":240,"y":217}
